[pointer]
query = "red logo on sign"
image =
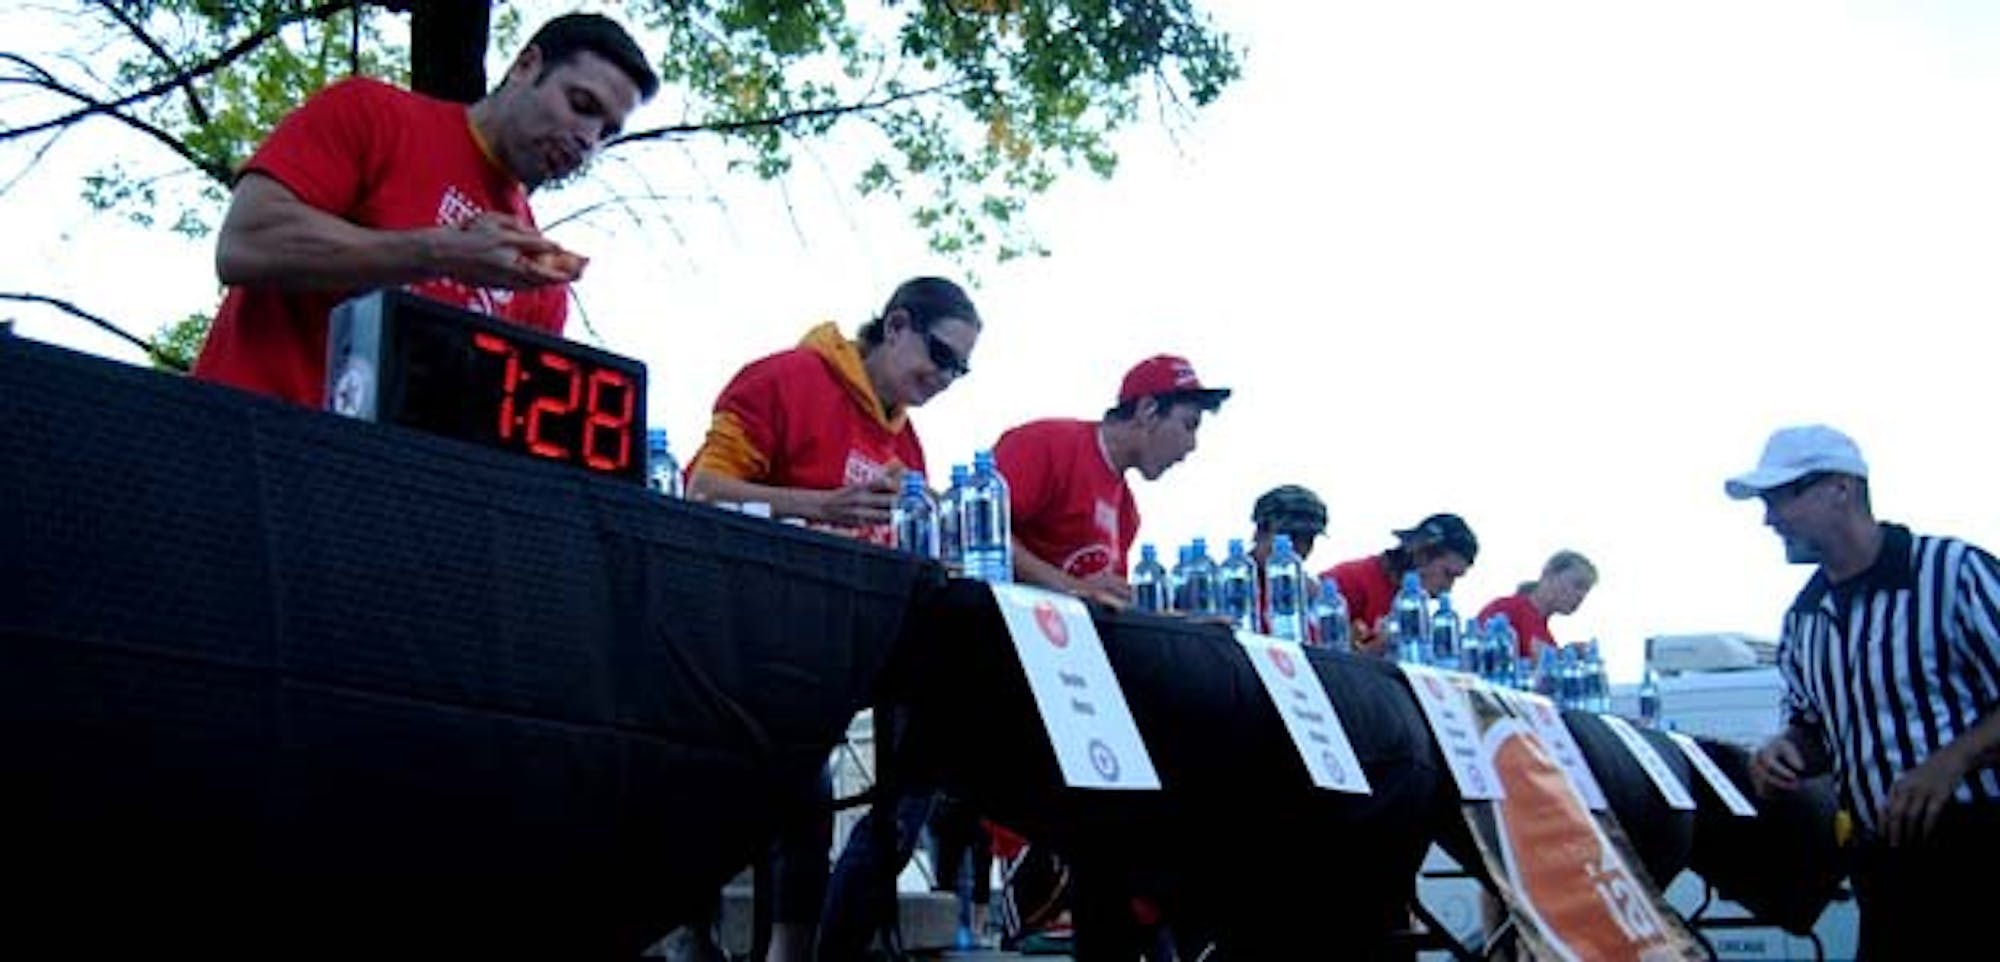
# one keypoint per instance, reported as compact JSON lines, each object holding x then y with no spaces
{"x":1431,"y":684}
{"x":1051,"y":623}
{"x":1282,"y":660}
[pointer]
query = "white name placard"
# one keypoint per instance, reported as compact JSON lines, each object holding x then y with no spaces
{"x":1731,"y":796}
{"x":1656,"y":768}
{"x":1090,"y":725}
{"x":1545,"y":720}
{"x":1295,"y":688}
{"x":1449,"y":713}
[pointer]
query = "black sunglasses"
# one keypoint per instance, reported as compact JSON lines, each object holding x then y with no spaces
{"x":946,"y":359}
{"x":1794,"y":488}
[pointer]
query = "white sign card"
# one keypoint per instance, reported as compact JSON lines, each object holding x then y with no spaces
{"x":1295,"y":688}
{"x":1090,"y":725}
{"x":1546,"y":721}
{"x":1656,"y":768}
{"x":1730,"y":794}
{"x":1449,"y":712}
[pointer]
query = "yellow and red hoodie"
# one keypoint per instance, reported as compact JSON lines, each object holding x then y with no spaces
{"x":809,"y":418}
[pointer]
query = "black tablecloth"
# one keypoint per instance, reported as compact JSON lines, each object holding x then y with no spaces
{"x":277,"y":682}
{"x":1237,"y":837}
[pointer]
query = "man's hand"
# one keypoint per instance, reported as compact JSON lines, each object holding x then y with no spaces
{"x":1920,"y":795}
{"x":499,"y":250}
{"x":1104,"y":588}
{"x":1777,"y":766}
{"x":860,"y":505}
{"x":1371,"y":640}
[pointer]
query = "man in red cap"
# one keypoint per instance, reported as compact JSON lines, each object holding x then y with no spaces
{"x":1074,"y":518}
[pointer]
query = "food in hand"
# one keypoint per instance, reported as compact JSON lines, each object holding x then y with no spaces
{"x":566,"y":263}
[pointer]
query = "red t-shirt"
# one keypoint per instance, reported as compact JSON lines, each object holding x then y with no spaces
{"x":812,"y":431}
{"x":379,"y":157}
{"x":1070,"y":508}
{"x":1530,"y":625}
{"x":1365,"y":583}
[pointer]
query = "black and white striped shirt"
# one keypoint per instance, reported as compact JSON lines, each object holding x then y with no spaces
{"x":1892,"y":664}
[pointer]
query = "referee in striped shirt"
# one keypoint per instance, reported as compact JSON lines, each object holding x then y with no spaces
{"x":1891,"y":661}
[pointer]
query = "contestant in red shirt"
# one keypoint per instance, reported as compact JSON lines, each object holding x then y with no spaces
{"x":368,"y":186}
{"x":1074,"y":516}
{"x":1566,"y":579}
{"x":822,"y":432}
{"x":1440,"y":548}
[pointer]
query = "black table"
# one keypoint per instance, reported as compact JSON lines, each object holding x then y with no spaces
{"x":1238,"y":824}
{"x":277,"y":683}
{"x":1237,"y":821}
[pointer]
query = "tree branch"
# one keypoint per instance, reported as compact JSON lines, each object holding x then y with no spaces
{"x":40,"y":152}
{"x":219,"y":172}
{"x":118,"y":13}
{"x":781,"y":120}
{"x":116,"y":331}
{"x":235,"y":52}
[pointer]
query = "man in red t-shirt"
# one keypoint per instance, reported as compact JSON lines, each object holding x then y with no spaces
{"x":1440,"y":549}
{"x":1073,"y":514}
{"x":1566,"y":579}
{"x":368,"y":186}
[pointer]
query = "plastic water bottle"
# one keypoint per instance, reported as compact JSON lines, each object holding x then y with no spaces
{"x":663,"y":473}
{"x":1569,"y":679}
{"x":951,"y":521}
{"x":1444,"y":650}
{"x":915,"y":517}
{"x":1501,"y":638}
{"x":1203,"y":591}
{"x":1649,"y":699}
{"x":1177,"y":589}
{"x":1149,"y":581}
{"x":1475,"y":656}
{"x":1409,"y":621}
{"x":1236,"y":586}
{"x":1284,"y":589}
{"x":1596,"y":683}
{"x":986,"y":523}
{"x":1548,"y":675}
{"x":1336,"y":628}
{"x":1506,"y":668}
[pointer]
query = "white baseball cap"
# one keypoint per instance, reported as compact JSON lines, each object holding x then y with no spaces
{"x":1794,"y":452}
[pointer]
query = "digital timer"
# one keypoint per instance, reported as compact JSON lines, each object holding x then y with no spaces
{"x":396,"y":358}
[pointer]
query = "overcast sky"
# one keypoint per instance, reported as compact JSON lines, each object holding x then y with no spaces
{"x":1557,"y":267}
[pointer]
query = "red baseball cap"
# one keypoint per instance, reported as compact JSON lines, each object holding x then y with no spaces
{"x":1167,"y":374}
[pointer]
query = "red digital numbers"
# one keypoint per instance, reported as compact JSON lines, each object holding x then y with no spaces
{"x":509,"y":381}
{"x":619,"y":423}
{"x":607,"y":406}
{"x":538,"y":443}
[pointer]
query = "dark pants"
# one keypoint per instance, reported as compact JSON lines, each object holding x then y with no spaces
{"x":1929,"y":900}
{"x":796,"y":865}
{"x":861,"y":899}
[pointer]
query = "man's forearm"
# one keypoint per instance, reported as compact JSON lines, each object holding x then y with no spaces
{"x":1979,"y":746}
{"x":288,"y":244}
{"x":1029,"y":569}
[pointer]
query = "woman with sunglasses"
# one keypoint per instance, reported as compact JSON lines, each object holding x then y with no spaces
{"x":822,"y":432}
